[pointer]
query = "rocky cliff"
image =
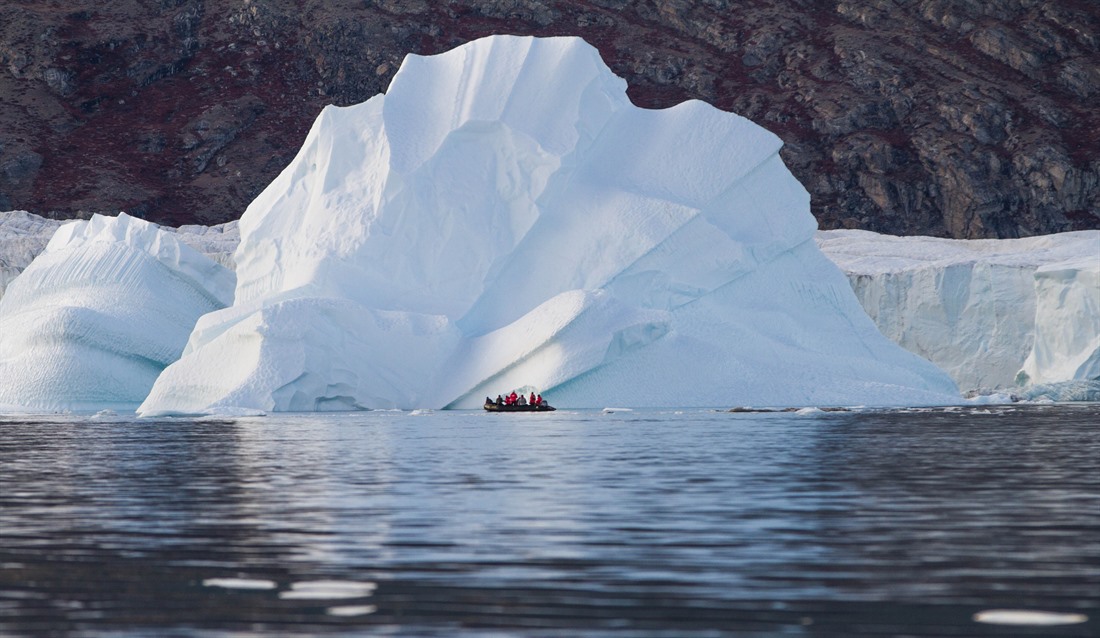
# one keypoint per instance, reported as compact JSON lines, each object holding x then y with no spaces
{"x":959,"y":118}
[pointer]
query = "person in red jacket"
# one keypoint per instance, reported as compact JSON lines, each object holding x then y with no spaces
{"x":531,"y":401}
{"x":538,"y":400}
{"x":511,"y":400}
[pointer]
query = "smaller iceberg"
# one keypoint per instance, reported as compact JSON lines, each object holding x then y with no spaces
{"x":24,"y":235}
{"x":95,"y":318}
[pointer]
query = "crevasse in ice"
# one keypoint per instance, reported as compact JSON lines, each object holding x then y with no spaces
{"x":99,"y":313}
{"x":502,"y":217}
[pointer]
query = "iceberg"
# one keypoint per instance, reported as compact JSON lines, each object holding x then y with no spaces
{"x":24,"y":235}
{"x":995,"y":314}
{"x":504,"y":217}
{"x":92,"y":321}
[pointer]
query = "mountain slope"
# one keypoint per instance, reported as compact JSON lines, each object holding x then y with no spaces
{"x":958,"y":118}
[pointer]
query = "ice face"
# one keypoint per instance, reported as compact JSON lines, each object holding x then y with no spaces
{"x":23,"y":236}
{"x":99,"y":313}
{"x":1067,"y":322}
{"x":505,"y":217}
{"x":982,"y":309}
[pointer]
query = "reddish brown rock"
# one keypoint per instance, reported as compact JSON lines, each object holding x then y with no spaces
{"x":961,"y":118}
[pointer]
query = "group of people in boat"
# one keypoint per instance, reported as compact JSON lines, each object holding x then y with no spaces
{"x":517,"y":403}
{"x":513,"y":399}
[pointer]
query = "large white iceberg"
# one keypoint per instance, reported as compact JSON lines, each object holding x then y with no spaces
{"x":99,"y":313}
{"x":994,"y":314}
{"x":505,"y":217}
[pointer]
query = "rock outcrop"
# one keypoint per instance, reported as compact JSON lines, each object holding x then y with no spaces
{"x":955,"y":118}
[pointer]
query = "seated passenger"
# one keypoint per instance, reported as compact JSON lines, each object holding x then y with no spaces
{"x":500,"y":400}
{"x":522,"y":400}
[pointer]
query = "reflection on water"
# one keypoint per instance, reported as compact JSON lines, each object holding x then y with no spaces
{"x":678,"y":523}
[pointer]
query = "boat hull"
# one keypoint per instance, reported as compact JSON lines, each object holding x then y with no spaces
{"x":493,"y":407}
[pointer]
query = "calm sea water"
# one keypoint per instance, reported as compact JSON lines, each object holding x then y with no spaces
{"x":644,"y":523}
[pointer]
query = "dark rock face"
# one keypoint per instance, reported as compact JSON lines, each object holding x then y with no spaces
{"x":959,"y":118}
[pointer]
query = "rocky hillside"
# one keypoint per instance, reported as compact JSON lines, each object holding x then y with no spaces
{"x":959,"y":118}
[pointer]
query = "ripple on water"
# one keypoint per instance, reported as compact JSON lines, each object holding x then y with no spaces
{"x":327,"y":590}
{"x":348,"y":611}
{"x":580,"y":523}
{"x":239,"y":583}
{"x":1028,"y":617}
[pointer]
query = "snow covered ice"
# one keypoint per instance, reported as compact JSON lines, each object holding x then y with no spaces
{"x":994,"y":314}
{"x":504,"y":216}
{"x":24,"y":235}
{"x":99,"y":313}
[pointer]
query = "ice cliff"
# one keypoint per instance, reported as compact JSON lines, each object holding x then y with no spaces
{"x":993,"y":313}
{"x":504,"y":216}
{"x":99,"y":313}
{"x":1067,"y":324}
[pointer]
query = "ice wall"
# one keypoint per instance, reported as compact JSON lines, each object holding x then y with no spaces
{"x":1067,"y":322}
{"x":99,"y":313}
{"x":982,"y":309}
{"x":504,"y":216}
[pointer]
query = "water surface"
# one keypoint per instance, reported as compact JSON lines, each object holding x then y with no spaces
{"x":643,"y":523}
